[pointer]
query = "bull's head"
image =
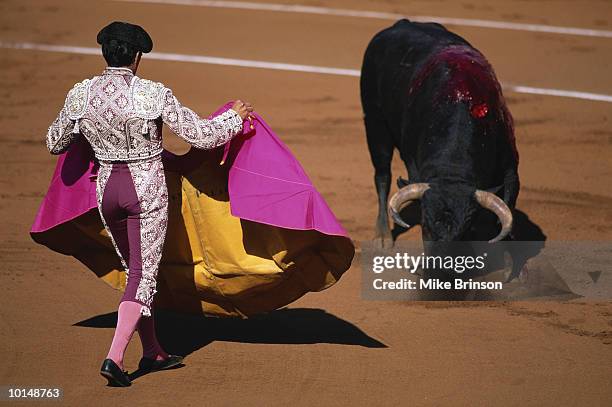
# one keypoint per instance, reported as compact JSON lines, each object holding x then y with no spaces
{"x":447,"y":214}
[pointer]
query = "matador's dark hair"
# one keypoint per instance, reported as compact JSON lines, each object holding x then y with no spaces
{"x":118,"y":53}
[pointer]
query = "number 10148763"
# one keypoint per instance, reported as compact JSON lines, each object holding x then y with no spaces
{"x":16,"y":392}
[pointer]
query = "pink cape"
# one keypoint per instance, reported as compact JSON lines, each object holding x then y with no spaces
{"x":266,"y":183}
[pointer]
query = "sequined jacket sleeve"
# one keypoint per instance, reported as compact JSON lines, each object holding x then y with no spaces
{"x":60,"y":135}
{"x":199,"y":132}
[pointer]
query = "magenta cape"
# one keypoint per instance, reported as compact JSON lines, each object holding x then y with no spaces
{"x":266,"y":183}
{"x":269,"y":241}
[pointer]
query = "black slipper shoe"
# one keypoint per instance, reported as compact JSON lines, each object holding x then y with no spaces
{"x":114,"y":374}
{"x":152,"y":365}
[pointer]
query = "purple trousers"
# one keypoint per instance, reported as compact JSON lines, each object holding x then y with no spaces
{"x":133,"y":204}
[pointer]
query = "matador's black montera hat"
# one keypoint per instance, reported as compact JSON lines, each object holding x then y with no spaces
{"x":130,"y":33}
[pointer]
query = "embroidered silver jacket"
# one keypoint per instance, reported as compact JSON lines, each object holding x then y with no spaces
{"x":121,"y":115}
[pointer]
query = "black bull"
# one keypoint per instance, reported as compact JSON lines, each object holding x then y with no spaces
{"x":430,"y":94}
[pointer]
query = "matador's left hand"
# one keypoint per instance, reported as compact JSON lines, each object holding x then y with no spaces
{"x":242,"y":108}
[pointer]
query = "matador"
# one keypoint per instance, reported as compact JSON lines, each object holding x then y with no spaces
{"x":121,"y":116}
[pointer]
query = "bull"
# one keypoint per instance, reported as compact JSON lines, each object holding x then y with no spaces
{"x":428,"y":93}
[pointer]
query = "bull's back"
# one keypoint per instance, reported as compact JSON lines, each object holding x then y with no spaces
{"x":393,"y":58}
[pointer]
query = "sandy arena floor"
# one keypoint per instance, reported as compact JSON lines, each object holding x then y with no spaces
{"x":330,"y":348}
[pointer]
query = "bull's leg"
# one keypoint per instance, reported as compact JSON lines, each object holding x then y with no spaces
{"x":382,"y":237}
{"x":380,"y":145}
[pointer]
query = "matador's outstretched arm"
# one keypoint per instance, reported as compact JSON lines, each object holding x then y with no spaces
{"x":199,"y":132}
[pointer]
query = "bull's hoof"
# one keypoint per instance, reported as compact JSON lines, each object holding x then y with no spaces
{"x":524,"y":274}
{"x":383,"y":241}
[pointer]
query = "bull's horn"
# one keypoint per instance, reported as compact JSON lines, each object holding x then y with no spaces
{"x":403,"y":198}
{"x":496,"y":205}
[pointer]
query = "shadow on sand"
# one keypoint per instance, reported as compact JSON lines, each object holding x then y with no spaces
{"x":182,"y":334}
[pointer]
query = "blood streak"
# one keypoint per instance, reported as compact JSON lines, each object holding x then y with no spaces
{"x":468,"y":78}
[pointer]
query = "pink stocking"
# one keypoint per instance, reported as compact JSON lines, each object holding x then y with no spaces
{"x":127,"y":320}
{"x":150,"y":346}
